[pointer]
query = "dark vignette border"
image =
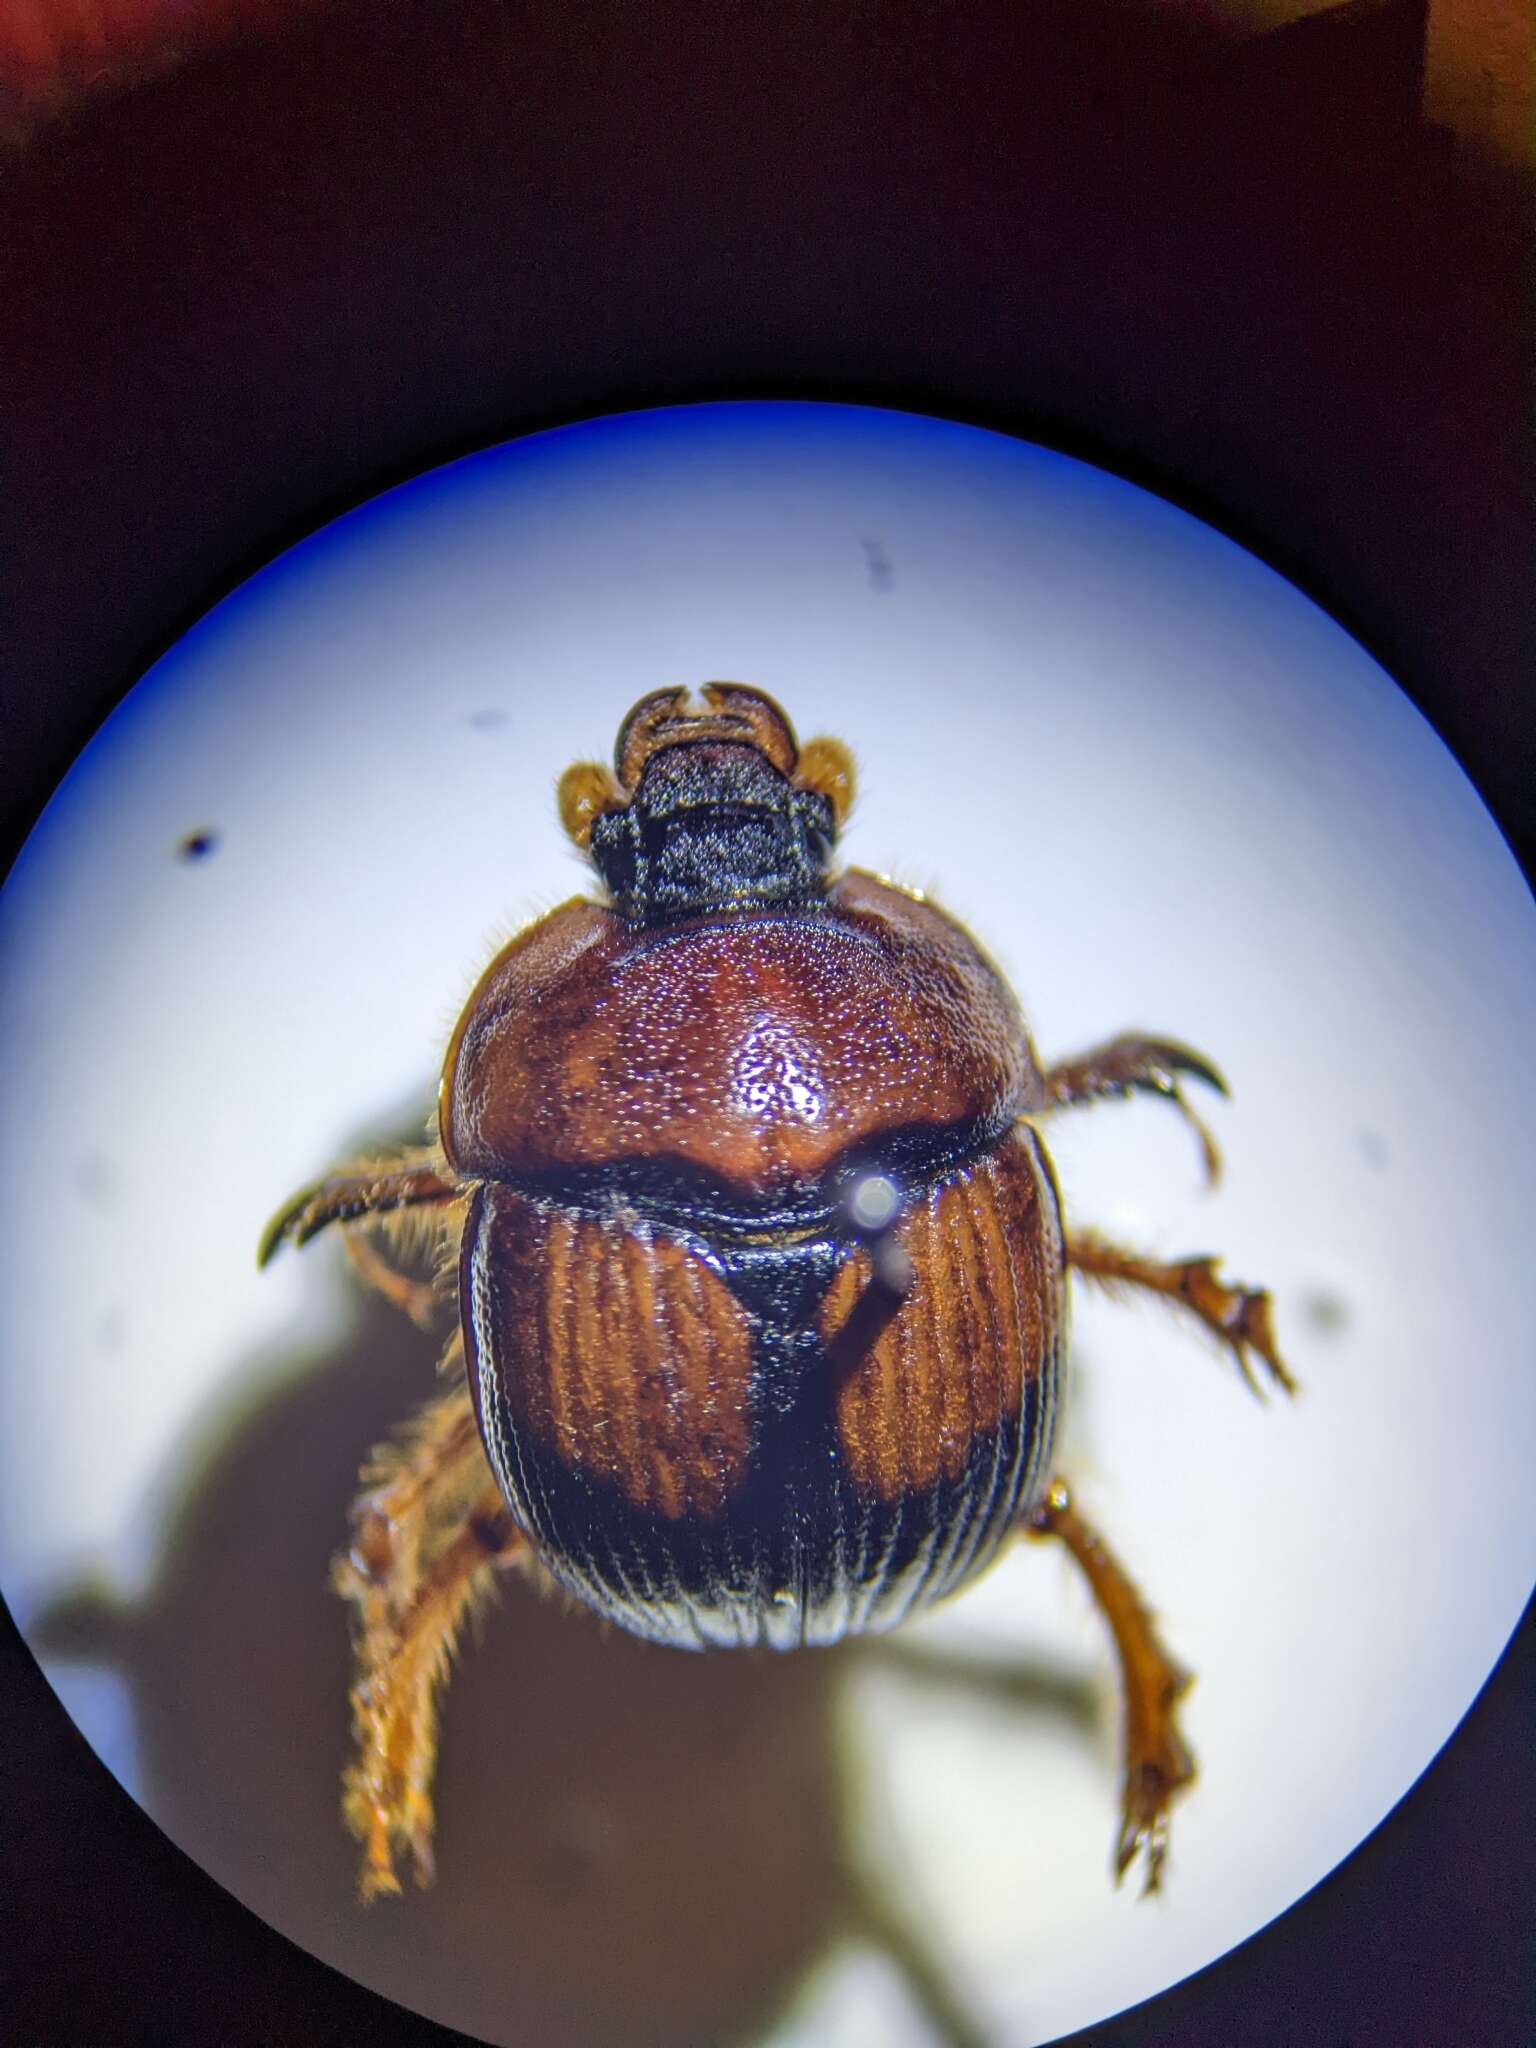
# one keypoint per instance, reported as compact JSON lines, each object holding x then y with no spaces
{"x":1244,"y":274}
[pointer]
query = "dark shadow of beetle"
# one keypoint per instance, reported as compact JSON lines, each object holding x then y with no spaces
{"x":633,"y":1844}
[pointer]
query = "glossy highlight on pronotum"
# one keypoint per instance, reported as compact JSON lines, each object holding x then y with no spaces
{"x":739,"y":1189}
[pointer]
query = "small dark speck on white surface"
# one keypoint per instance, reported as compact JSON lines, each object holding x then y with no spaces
{"x":487,"y":718}
{"x":1374,"y":1149}
{"x":198,"y":845}
{"x":99,"y":1180}
{"x":1327,"y":1313}
{"x":878,"y":565}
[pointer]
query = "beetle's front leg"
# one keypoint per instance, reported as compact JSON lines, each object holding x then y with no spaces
{"x":425,"y":1542}
{"x":1240,"y":1316}
{"x":1158,"y":1766}
{"x":368,"y":1188}
{"x":1130,"y":1063}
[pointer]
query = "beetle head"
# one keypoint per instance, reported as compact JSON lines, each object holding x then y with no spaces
{"x":709,"y":805}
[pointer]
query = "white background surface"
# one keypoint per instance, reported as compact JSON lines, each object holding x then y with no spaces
{"x":1163,"y":790}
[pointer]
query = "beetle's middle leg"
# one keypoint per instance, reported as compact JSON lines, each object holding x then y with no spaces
{"x":1132,"y":1063}
{"x":418,"y":1299}
{"x":427,"y":1536}
{"x":1241,"y":1317}
{"x":1158,"y":1766}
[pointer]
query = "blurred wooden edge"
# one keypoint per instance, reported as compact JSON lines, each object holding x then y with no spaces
{"x":55,"y":55}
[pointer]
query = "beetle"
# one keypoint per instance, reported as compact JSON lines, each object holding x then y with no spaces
{"x":762,"y":1277}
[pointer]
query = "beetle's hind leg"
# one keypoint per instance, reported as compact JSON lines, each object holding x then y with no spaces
{"x":1131,"y":1063}
{"x":427,"y":1536}
{"x":1241,"y":1317}
{"x":1158,"y":1766}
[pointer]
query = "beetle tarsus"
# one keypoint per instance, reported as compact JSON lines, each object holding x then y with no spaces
{"x":411,"y":1578}
{"x":1158,"y":1764}
{"x":1132,"y":1063}
{"x":1144,"y":1826}
{"x":421,"y":1821}
{"x":394,"y":1707}
{"x":1241,"y":1317}
{"x":344,"y":1197}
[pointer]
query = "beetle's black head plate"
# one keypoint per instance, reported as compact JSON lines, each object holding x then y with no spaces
{"x":715,"y":817}
{"x":712,"y":826}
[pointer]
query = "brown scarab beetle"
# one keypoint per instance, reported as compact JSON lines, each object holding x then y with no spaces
{"x":759,"y":1259}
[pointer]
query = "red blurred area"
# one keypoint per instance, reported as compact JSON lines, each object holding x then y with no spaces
{"x":55,"y":53}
